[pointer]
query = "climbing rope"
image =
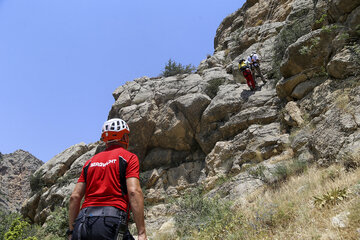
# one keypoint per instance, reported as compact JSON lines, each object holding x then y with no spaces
{"x":268,"y":15}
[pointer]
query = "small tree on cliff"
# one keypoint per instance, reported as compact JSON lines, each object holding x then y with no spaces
{"x":172,"y":68}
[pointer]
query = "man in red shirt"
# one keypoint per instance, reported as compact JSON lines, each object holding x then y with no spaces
{"x":110,"y":183}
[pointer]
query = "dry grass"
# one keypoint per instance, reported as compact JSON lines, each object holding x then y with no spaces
{"x":258,"y":23}
{"x":342,"y":101}
{"x":289,"y":212}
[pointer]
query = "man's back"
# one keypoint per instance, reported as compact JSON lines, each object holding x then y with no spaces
{"x":103,"y":187}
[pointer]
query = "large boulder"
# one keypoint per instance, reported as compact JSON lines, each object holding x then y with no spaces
{"x":53,"y":182}
{"x":310,"y":51}
{"x":344,"y":64}
{"x":339,"y":9}
{"x":192,"y":106}
{"x":256,"y":144}
{"x":303,"y":88}
{"x":297,"y":67}
{"x":232,"y":111}
{"x":333,"y":125}
{"x":216,"y":60}
{"x":58,"y":165}
{"x":292,"y":115}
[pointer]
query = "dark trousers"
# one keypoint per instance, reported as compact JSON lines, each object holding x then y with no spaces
{"x":96,"y":224}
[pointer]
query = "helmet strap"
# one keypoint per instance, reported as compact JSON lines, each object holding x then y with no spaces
{"x":117,"y":143}
{"x":123,"y":142}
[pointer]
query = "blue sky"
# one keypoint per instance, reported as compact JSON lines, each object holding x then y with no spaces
{"x":60,"y":61}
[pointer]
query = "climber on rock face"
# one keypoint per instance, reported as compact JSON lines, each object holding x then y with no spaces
{"x":110,"y":183}
{"x":254,"y":61}
{"x":245,"y":69}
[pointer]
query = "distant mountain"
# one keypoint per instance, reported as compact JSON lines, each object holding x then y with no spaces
{"x":15,"y":174}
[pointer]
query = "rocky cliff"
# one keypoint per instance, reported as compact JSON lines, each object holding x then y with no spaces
{"x":194,"y":129}
{"x":15,"y":174}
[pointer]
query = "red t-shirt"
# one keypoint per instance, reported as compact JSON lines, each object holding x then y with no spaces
{"x":103,"y":180}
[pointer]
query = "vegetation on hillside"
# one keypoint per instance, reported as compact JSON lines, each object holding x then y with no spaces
{"x":14,"y":227}
{"x":302,"y":207}
{"x":173,"y":68}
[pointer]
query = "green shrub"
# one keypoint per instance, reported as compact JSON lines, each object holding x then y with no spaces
{"x":5,"y":222}
{"x":213,"y":87}
{"x":284,"y":171}
{"x":321,"y":19}
{"x":223,"y":227}
{"x":36,"y":182}
{"x":329,"y":28}
{"x":331,"y":198}
{"x":56,"y":224}
{"x":281,"y":173}
{"x":357,"y":29}
{"x":172,"y":68}
{"x":258,"y":172}
{"x":344,"y":36}
{"x":200,"y":213}
{"x":297,"y":167}
{"x":304,"y":50}
{"x":19,"y":229}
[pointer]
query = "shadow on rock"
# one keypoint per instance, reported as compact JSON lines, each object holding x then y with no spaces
{"x":245,"y":94}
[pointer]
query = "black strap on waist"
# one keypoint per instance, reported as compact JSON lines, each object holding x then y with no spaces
{"x":104,"y":211}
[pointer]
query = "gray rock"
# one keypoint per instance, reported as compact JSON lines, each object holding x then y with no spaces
{"x":305,"y":155}
{"x":341,"y":220}
{"x":192,"y":106}
{"x":293,"y":116}
{"x":339,"y":9}
{"x":351,"y":147}
{"x":58,"y":165}
{"x":286,"y":86}
{"x":216,"y":60}
{"x":159,"y":157}
{"x":343,"y":65}
{"x":304,"y":88}
{"x":300,"y":139}
{"x":328,"y":137}
{"x":312,"y":46}
{"x":217,"y":74}
{"x":353,"y":19}
{"x":55,"y":186}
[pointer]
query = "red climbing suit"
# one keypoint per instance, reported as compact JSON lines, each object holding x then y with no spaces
{"x":249,"y":78}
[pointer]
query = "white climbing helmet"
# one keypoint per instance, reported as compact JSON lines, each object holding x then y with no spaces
{"x":117,"y":130}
